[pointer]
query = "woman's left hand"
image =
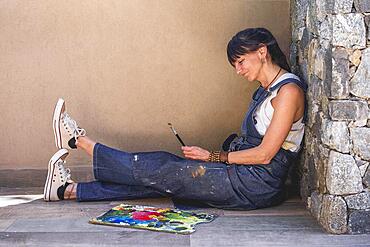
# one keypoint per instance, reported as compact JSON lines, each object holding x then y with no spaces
{"x":195,"y":153}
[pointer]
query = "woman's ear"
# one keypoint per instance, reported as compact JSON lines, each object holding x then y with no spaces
{"x":262,"y":53}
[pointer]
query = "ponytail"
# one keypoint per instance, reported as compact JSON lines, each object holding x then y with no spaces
{"x":278,"y":57}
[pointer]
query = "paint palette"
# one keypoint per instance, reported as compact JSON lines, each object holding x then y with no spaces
{"x":151,"y":218}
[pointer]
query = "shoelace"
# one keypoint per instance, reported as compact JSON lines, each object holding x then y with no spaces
{"x":77,"y":131}
{"x":65,"y":174}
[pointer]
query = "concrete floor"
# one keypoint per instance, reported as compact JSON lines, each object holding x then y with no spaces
{"x":38,"y":223}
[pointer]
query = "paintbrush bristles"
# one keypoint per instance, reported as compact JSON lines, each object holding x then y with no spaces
{"x":175,"y":133}
{"x":172,"y":128}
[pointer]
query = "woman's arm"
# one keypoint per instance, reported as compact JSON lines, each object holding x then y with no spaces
{"x":288,"y":107}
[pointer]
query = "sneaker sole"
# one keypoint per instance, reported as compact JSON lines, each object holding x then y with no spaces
{"x":51,"y":168}
{"x":59,"y":108}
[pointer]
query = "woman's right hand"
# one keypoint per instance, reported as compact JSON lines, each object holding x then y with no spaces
{"x":195,"y":153}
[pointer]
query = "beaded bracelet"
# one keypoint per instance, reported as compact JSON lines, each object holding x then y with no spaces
{"x":218,"y":156}
{"x":214,"y":156}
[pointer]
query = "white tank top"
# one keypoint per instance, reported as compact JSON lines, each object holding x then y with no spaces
{"x":263,"y":116}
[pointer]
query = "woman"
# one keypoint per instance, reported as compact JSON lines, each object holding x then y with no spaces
{"x":250,"y":175}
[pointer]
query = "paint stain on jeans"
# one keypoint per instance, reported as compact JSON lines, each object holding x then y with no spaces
{"x":136,"y":158}
{"x":200,"y":171}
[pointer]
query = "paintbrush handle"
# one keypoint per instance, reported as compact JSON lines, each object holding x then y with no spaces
{"x":178,"y":138}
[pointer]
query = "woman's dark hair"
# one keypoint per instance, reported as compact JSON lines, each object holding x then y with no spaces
{"x":250,"y":40}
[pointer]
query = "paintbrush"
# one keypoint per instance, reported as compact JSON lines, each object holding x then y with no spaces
{"x":175,"y":133}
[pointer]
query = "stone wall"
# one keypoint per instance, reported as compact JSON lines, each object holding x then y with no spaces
{"x":331,"y":51}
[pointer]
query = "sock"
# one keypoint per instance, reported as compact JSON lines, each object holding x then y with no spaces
{"x":72,"y":143}
{"x":61,"y":190}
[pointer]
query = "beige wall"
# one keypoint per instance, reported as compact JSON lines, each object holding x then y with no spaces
{"x":125,"y":69}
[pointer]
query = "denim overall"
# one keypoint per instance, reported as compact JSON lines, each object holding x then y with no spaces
{"x":120,"y":175}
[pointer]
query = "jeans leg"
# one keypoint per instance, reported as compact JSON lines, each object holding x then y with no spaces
{"x":112,"y":165}
{"x":163,"y":173}
{"x":100,"y":191}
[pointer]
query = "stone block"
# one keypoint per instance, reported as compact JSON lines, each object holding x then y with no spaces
{"x":326,"y":32}
{"x":299,"y":12}
{"x":363,"y":169}
{"x":319,"y":60}
{"x":313,"y":16}
{"x":333,"y":216}
{"x":312,"y":174}
{"x":303,"y":68}
{"x":315,"y":89}
{"x":361,"y":142}
{"x":311,"y":55}
{"x":339,"y":87}
{"x":293,"y":56}
{"x":362,"y":6}
{"x":359,"y":222}
{"x":335,"y":135}
{"x":313,"y":109}
{"x":297,"y":32}
{"x":355,"y":57}
{"x":322,"y":168}
{"x":325,"y":106}
{"x":308,"y":182}
{"x":367,"y":20}
{"x":345,"y":24}
{"x":315,"y":204}
{"x":366,"y":178}
{"x":340,"y":110}
{"x":328,"y":71}
{"x":352,"y":71}
{"x":320,"y":64}
{"x":359,"y":84}
{"x":308,"y":147}
{"x":305,"y":40}
{"x":318,"y":13}
{"x":304,"y":188}
{"x":362,"y":165}
{"x":358,"y":201}
{"x":342,"y":6}
{"x":343,"y":176}
{"x":367,"y":23}
{"x":316,"y":128}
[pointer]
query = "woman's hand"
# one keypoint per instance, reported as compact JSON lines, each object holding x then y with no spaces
{"x":195,"y":153}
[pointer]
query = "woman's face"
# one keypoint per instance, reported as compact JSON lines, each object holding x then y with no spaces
{"x":249,"y":65}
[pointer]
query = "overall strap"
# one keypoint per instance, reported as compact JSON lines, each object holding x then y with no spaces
{"x":259,"y":95}
{"x":289,"y":80}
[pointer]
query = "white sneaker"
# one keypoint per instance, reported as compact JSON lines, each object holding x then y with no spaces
{"x":57,"y":175}
{"x":66,"y":130}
